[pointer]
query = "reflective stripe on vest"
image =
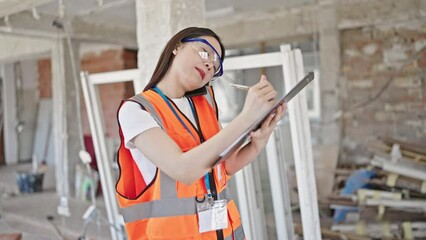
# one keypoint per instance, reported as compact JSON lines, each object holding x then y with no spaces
{"x":238,"y":234}
{"x":169,"y":204}
{"x":147,"y":105}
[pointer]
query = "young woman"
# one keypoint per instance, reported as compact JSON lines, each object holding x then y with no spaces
{"x":168,"y":186}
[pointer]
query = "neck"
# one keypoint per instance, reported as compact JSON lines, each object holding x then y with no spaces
{"x":169,"y":86}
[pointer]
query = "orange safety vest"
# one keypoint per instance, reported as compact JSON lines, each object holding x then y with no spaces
{"x":166,"y":208}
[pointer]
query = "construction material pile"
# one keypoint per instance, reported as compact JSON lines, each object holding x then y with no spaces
{"x":384,"y":199}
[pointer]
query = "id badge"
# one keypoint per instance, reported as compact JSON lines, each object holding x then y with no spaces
{"x":212,"y":215}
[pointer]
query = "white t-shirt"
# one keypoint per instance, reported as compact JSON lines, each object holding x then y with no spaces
{"x":134,"y":121}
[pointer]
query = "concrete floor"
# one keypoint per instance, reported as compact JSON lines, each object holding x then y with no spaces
{"x":27,"y":213}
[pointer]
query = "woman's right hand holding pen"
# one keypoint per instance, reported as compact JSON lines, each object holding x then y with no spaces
{"x":260,"y":98}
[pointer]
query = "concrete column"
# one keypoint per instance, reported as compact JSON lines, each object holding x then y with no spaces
{"x":157,"y":22}
{"x":329,"y":45}
{"x":65,"y":122}
{"x":9,"y":113}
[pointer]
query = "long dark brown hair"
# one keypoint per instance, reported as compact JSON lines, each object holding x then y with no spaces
{"x":167,"y":56}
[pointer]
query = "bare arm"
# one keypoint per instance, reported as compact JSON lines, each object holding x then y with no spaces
{"x":188,"y":167}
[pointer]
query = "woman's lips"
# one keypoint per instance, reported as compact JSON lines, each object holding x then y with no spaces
{"x":201,"y":72}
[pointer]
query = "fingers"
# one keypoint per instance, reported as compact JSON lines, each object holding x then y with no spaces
{"x":255,"y":134}
{"x":274,"y":118}
{"x":268,"y":125}
{"x":263,"y":82}
{"x":278,"y":115}
{"x":264,"y":90}
{"x":268,"y":93}
{"x":259,"y":99}
{"x":267,"y":121}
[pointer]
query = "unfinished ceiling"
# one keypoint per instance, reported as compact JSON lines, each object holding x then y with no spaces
{"x":122,"y":13}
{"x":108,"y":19}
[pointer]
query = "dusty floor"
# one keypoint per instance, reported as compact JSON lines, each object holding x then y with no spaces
{"x":28,"y":213}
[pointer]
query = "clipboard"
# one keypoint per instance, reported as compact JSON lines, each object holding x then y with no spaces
{"x":246,"y":134}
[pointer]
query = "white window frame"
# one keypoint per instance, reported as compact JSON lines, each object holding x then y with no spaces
{"x":97,"y":129}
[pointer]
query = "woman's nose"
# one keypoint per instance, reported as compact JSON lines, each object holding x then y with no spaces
{"x":208,"y":65}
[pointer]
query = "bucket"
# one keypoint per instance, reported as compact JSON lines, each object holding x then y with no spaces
{"x":29,"y":182}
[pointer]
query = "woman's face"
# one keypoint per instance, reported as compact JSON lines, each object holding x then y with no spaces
{"x":196,"y":62}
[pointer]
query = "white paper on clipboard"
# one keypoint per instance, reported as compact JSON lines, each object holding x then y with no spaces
{"x":245,"y":136}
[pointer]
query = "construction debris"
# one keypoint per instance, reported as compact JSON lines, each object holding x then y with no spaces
{"x":385,"y":199}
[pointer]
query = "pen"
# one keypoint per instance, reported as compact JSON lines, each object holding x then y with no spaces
{"x":238,"y":86}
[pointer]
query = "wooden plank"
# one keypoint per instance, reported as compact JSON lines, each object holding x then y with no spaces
{"x":343,"y":171}
{"x":409,"y":154}
{"x":405,"y":145}
{"x":329,"y":234}
{"x":341,"y":200}
{"x":384,"y":187}
{"x":413,"y":205}
{"x":364,"y":194}
{"x":376,"y":230}
{"x":373,"y":214}
{"x":401,"y":167}
{"x":402,"y":182}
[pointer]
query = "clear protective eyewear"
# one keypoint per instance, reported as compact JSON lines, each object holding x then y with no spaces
{"x":208,"y":53}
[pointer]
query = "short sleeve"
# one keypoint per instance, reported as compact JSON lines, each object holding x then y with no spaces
{"x":133,"y":121}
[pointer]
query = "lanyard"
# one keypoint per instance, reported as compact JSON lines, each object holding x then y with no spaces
{"x":156,"y":89}
{"x":206,"y":177}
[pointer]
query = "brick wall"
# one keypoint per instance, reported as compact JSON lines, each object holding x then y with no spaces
{"x":110,"y":94}
{"x":45,"y":78}
{"x":371,"y":57}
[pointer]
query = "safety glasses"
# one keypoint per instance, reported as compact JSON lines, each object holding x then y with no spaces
{"x":208,"y":53}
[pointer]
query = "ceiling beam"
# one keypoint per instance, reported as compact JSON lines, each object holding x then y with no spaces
{"x":248,"y":29}
{"x":14,"y":48}
{"x":24,"y":24}
{"x":9,"y":7}
{"x":105,"y":33}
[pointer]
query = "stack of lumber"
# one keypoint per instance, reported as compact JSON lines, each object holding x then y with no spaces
{"x":392,"y":203}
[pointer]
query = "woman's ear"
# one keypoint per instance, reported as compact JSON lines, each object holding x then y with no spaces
{"x":177,"y":48}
